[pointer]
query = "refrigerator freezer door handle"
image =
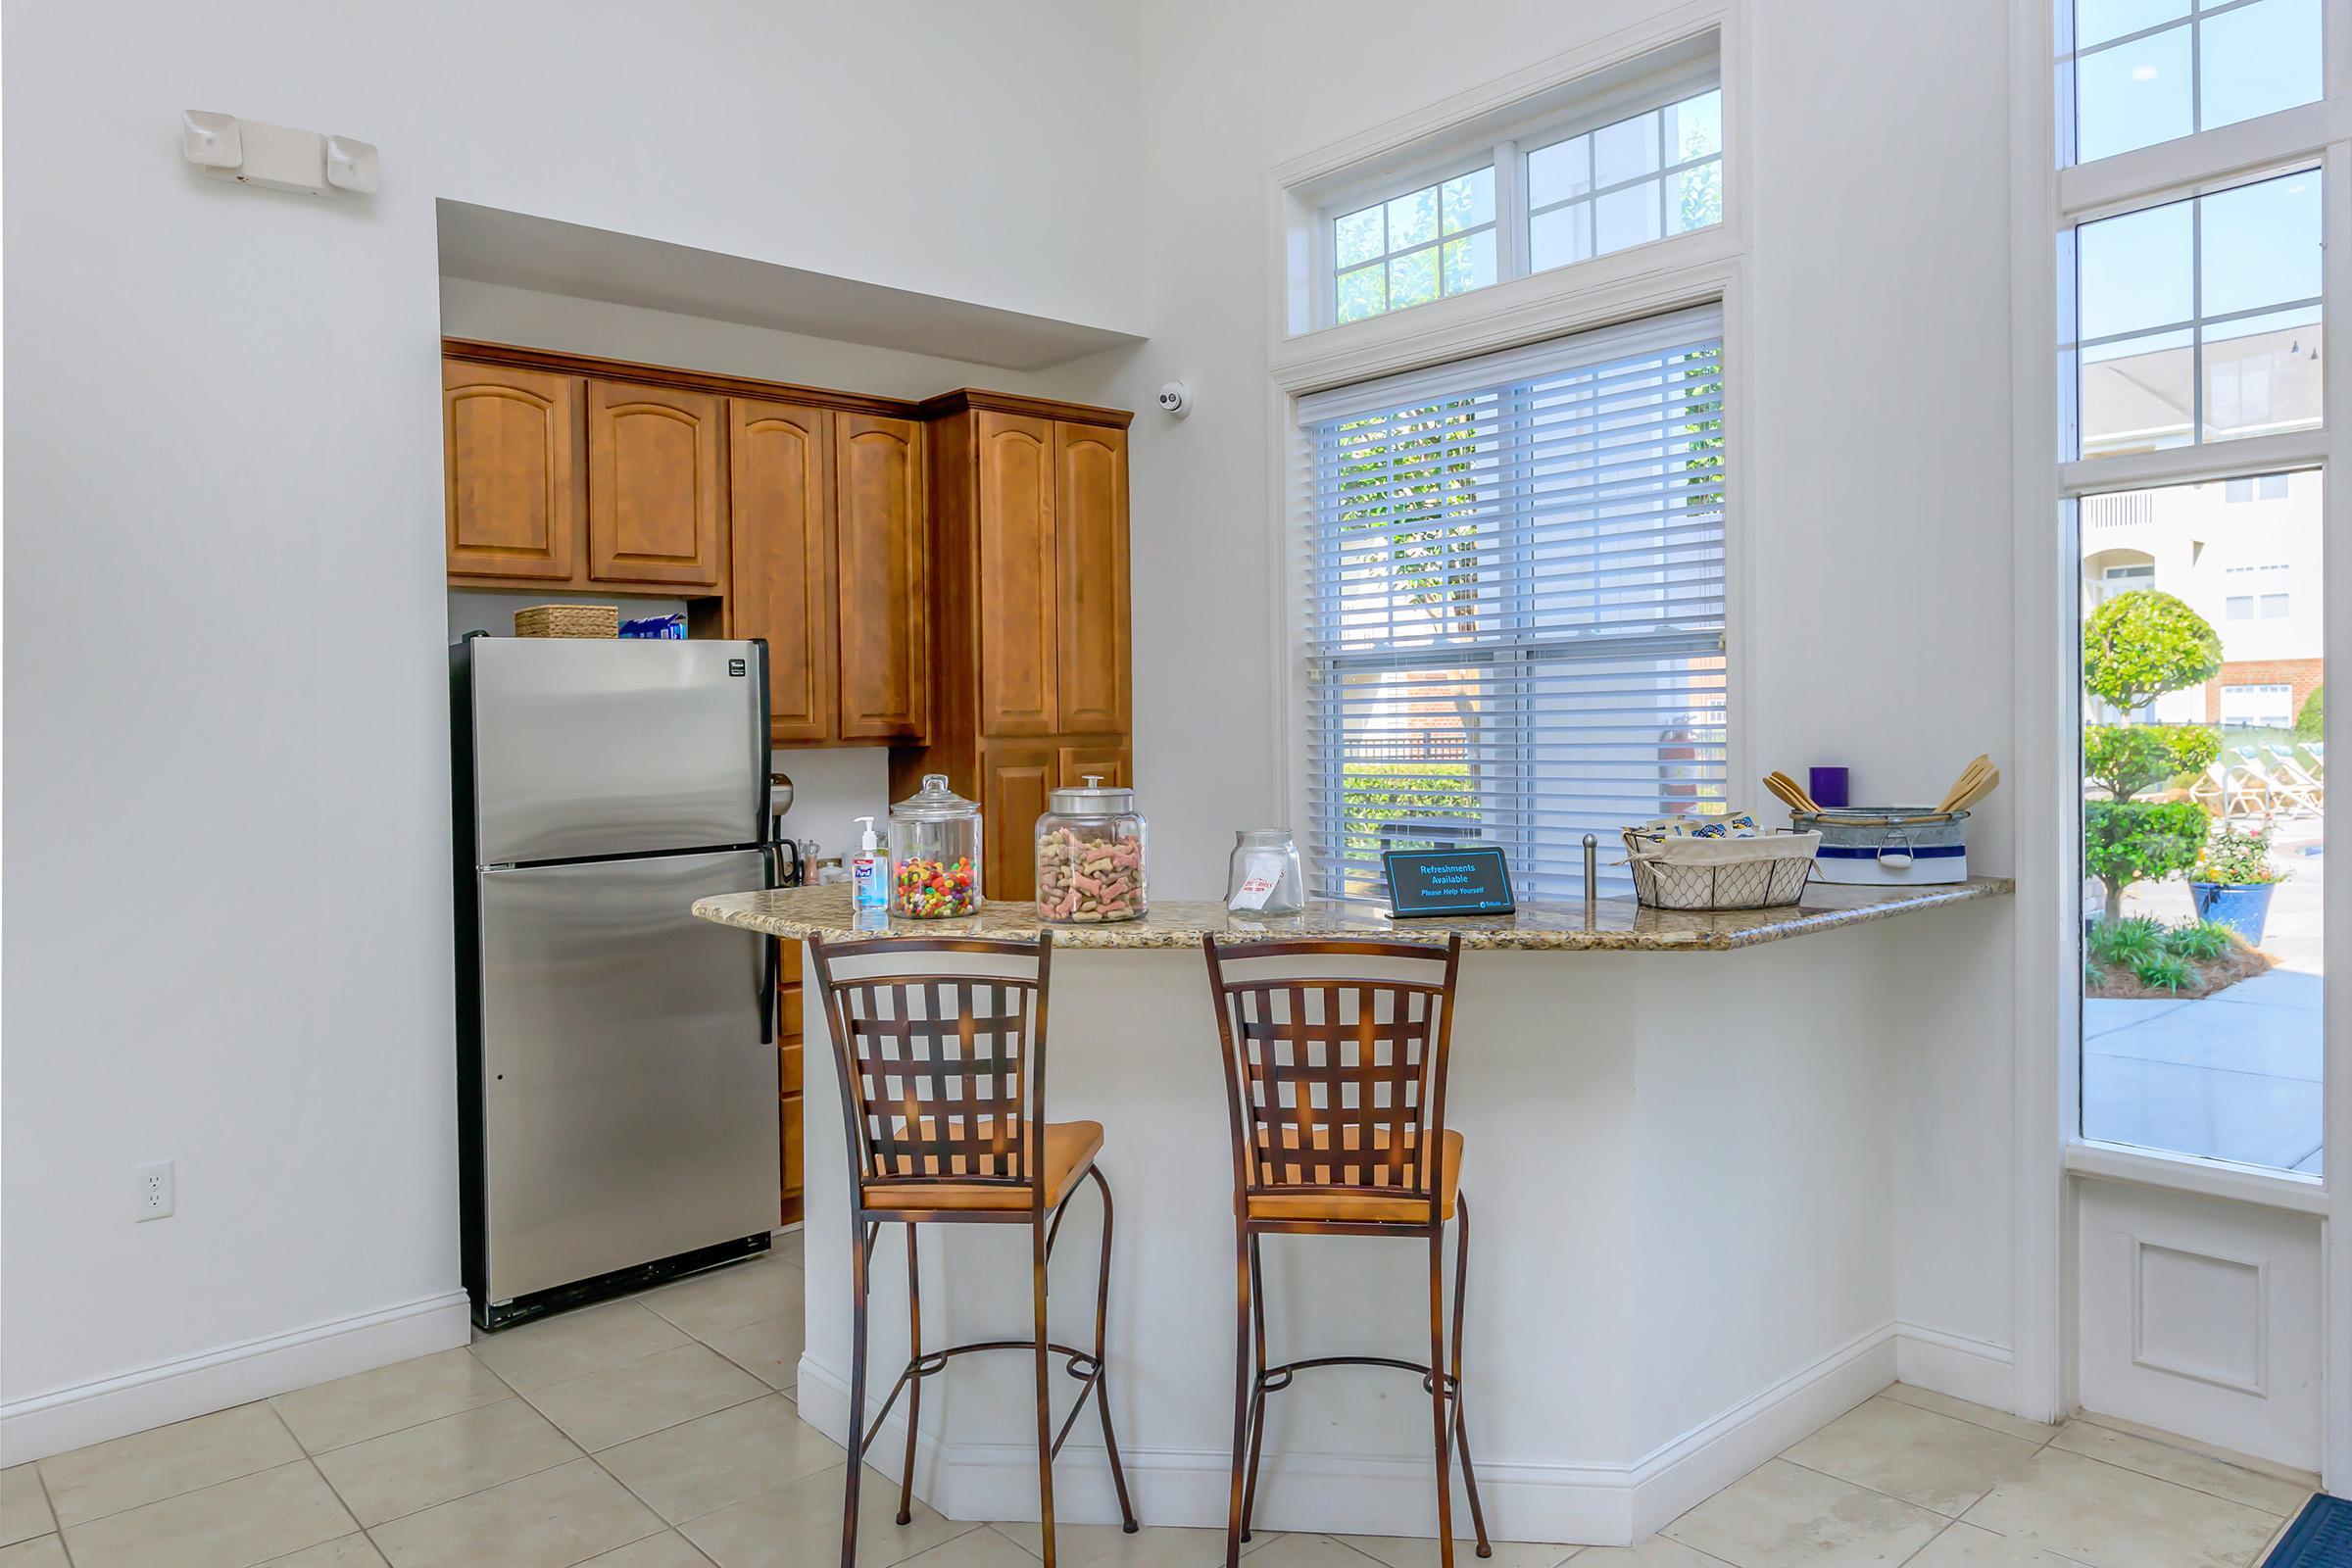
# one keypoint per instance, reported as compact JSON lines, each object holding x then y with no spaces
{"x":770,"y":959}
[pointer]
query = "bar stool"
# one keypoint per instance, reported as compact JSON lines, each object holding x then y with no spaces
{"x":1336,"y":1089}
{"x":942,"y":1082}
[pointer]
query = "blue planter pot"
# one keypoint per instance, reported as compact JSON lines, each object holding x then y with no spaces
{"x":2242,"y":907}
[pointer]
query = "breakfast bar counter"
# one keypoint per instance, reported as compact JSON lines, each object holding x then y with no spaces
{"x":1694,"y":1195}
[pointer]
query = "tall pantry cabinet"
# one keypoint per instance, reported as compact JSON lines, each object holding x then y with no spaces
{"x":1029,"y":613}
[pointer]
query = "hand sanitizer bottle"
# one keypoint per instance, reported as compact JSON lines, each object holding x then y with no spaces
{"x":869,"y":873}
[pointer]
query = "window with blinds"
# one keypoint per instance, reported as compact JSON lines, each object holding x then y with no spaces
{"x":1514,"y":603}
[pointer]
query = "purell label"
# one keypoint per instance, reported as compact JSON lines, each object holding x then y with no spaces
{"x":1261,"y":874}
{"x":866,"y":890}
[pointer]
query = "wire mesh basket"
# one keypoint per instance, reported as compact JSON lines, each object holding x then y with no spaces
{"x":1675,"y":873}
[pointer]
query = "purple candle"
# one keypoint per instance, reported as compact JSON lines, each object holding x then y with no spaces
{"x":1826,"y":785}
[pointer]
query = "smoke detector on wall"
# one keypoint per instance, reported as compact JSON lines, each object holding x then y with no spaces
{"x":277,"y":157}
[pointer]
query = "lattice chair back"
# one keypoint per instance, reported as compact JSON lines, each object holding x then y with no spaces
{"x":941,"y":1073}
{"x":1334,"y":1084}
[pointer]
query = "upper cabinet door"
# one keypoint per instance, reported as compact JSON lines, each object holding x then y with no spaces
{"x":880,"y":554}
{"x":780,"y":557}
{"x":1090,"y":523}
{"x":655,"y":485}
{"x":1017,"y":566}
{"x":512,"y":467}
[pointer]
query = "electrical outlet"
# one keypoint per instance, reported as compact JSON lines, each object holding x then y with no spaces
{"x":155,"y":1189}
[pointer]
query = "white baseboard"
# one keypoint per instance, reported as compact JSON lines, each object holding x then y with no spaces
{"x":1948,"y":1363}
{"x":1680,"y":1474}
{"x":1600,"y":1502}
{"x":44,"y":1424}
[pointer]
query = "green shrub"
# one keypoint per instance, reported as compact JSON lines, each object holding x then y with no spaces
{"x":2126,"y":758}
{"x":1417,"y":798}
{"x":2311,"y":723}
{"x":2201,"y":940}
{"x":2161,"y":971}
{"x":2136,"y":841}
{"x":2119,"y":942}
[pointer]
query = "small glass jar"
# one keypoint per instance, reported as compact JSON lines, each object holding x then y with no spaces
{"x":1263,"y":880}
{"x":934,"y":854}
{"x":1090,"y":856}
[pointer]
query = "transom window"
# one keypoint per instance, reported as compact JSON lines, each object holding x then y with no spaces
{"x":2151,"y":70}
{"x":1413,"y":248}
{"x":1657,"y":174}
{"x":2201,"y":320}
{"x":1550,"y":193}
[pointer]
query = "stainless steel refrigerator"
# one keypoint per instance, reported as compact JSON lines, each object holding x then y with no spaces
{"x":617,"y":1060}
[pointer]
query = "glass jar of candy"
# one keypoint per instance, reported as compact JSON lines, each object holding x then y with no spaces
{"x":1090,"y":856}
{"x":934,"y":854}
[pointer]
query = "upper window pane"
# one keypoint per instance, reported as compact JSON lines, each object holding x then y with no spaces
{"x":1414,"y":248}
{"x":2200,"y":319}
{"x":2148,"y":70}
{"x":1628,"y":183}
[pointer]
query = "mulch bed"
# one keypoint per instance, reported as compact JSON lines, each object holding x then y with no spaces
{"x":2240,"y":962}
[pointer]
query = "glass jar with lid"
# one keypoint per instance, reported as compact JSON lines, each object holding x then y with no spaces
{"x":934,"y":854}
{"x":1263,"y":880}
{"x":1090,"y":856}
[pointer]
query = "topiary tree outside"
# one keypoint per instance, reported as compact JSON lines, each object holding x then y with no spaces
{"x":2311,"y":724}
{"x":2137,"y":647}
{"x":2139,"y":841}
{"x":2140,"y":644}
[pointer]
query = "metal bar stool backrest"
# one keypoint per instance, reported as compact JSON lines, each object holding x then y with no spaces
{"x":942,"y":1074}
{"x":1334,"y":1084}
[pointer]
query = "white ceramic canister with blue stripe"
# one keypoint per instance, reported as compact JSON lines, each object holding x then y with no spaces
{"x":1888,"y":846}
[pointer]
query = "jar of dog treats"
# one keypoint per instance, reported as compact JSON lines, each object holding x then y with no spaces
{"x":1090,"y":856}
{"x":934,"y":854}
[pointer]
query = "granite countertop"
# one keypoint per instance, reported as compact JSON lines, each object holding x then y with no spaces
{"x":1617,"y":924}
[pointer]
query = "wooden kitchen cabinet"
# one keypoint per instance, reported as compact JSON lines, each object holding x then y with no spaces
{"x":657,"y":482}
{"x":882,"y":579}
{"x":789,"y":1045}
{"x":1029,"y":613}
{"x":1014,"y":519}
{"x":780,"y":567}
{"x":1015,"y":776}
{"x":1091,"y":647}
{"x":1105,"y":759}
{"x":513,"y":470}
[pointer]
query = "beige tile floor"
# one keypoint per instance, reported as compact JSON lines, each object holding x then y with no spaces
{"x":661,"y":1433}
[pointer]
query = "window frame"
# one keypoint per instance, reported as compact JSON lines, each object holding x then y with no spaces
{"x":2049,"y":196}
{"x":1506,"y":152}
{"x":1524,"y":646}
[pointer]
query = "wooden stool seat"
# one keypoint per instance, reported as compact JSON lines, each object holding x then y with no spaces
{"x":1069,"y":1148}
{"x":1359,"y":1206}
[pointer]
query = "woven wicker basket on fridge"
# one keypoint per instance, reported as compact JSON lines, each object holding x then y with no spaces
{"x":567,"y":621}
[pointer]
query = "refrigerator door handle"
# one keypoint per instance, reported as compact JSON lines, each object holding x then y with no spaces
{"x":770,"y":956}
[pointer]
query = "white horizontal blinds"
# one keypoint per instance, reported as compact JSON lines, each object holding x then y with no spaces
{"x":1514,"y":602}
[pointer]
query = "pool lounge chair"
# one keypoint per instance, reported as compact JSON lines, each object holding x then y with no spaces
{"x":2229,"y":791}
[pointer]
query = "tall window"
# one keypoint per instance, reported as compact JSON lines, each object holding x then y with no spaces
{"x":1514,"y":609}
{"x":2194,"y":459}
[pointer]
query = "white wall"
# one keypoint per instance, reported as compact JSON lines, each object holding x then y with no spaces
{"x":1875,"y":427}
{"x":227,"y":901}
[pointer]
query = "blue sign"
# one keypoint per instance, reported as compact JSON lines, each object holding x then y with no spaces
{"x":1425,"y":882}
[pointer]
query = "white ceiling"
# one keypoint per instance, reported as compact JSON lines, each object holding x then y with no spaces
{"x":488,"y":245}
